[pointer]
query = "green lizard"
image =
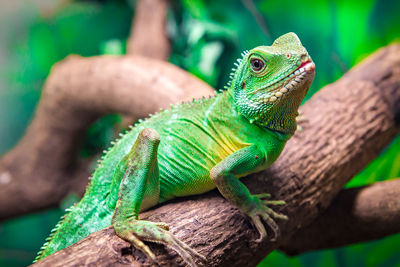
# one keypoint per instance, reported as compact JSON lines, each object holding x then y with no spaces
{"x":195,"y":147}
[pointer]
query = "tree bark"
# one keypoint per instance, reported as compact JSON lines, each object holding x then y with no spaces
{"x":356,"y":215}
{"x":148,"y":36}
{"x":348,"y":123}
{"x":148,"y":33}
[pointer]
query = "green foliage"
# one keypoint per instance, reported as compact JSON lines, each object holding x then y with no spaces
{"x":207,"y":36}
{"x":22,"y":237}
{"x":78,"y":28}
{"x":99,"y":135}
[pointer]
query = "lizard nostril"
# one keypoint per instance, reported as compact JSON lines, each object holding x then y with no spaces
{"x":304,"y":58}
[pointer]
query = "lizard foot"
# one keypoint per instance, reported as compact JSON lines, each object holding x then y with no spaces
{"x":137,"y":231}
{"x":260,"y":211}
{"x":265,"y":198}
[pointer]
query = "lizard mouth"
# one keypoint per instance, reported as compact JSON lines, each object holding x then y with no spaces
{"x":308,"y":65}
{"x":291,"y":82}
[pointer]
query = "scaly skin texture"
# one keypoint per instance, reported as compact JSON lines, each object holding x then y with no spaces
{"x":195,"y":147}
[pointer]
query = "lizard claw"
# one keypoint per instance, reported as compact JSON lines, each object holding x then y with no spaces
{"x":261,"y":212}
{"x":263,"y":196}
{"x":162,"y":225}
{"x":135,"y":231}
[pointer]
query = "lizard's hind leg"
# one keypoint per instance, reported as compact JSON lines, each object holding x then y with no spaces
{"x":139,"y":187}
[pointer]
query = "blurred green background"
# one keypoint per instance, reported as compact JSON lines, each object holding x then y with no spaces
{"x":206,"y":37}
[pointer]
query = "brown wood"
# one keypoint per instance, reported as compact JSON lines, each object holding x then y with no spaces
{"x":44,"y":166}
{"x":107,"y":245}
{"x":149,"y":34}
{"x":356,"y":215}
{"x":347,"y":124}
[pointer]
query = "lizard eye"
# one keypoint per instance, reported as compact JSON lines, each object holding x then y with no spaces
{"x":256,"y":64}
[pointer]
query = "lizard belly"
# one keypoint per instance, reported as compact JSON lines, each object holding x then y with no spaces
{"x":185,"y":162}
{"x":185,"y":173}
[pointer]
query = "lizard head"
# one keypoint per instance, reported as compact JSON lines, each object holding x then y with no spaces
{"x":271,"y":81}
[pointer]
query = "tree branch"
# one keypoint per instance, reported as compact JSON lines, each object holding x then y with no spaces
{"x":356,"y":215}
{"x":149,"y":33}
{"x":349,"y":122}
{"x":44,"y":166}
{"x":148,"y":36}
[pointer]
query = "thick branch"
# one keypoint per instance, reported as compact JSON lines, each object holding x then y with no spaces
{"x":356,"y":215}
{"x":47,"y":154}
{"x":43,"y":167}
{"x":149,"y":33}
{"x":148,"y":36}
{"x":349,"y":122}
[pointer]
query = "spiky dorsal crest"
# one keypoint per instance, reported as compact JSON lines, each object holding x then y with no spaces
{"x":234,"y":69}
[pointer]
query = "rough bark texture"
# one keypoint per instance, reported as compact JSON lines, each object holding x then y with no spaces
{"x":356,"y":215}
{"x":348,"y":123}
{"x":104,"y":245}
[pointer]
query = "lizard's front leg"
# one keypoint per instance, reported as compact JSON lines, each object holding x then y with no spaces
{"x":223,"y":174}
{"x":139,"y":183}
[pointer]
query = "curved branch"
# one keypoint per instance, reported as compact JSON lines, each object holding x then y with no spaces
{"x":356,"y":215}
{"x":349,"y":122}
{"x":149,"y":33}
{"x":148,"y":36}
{"x":44,"y":166}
